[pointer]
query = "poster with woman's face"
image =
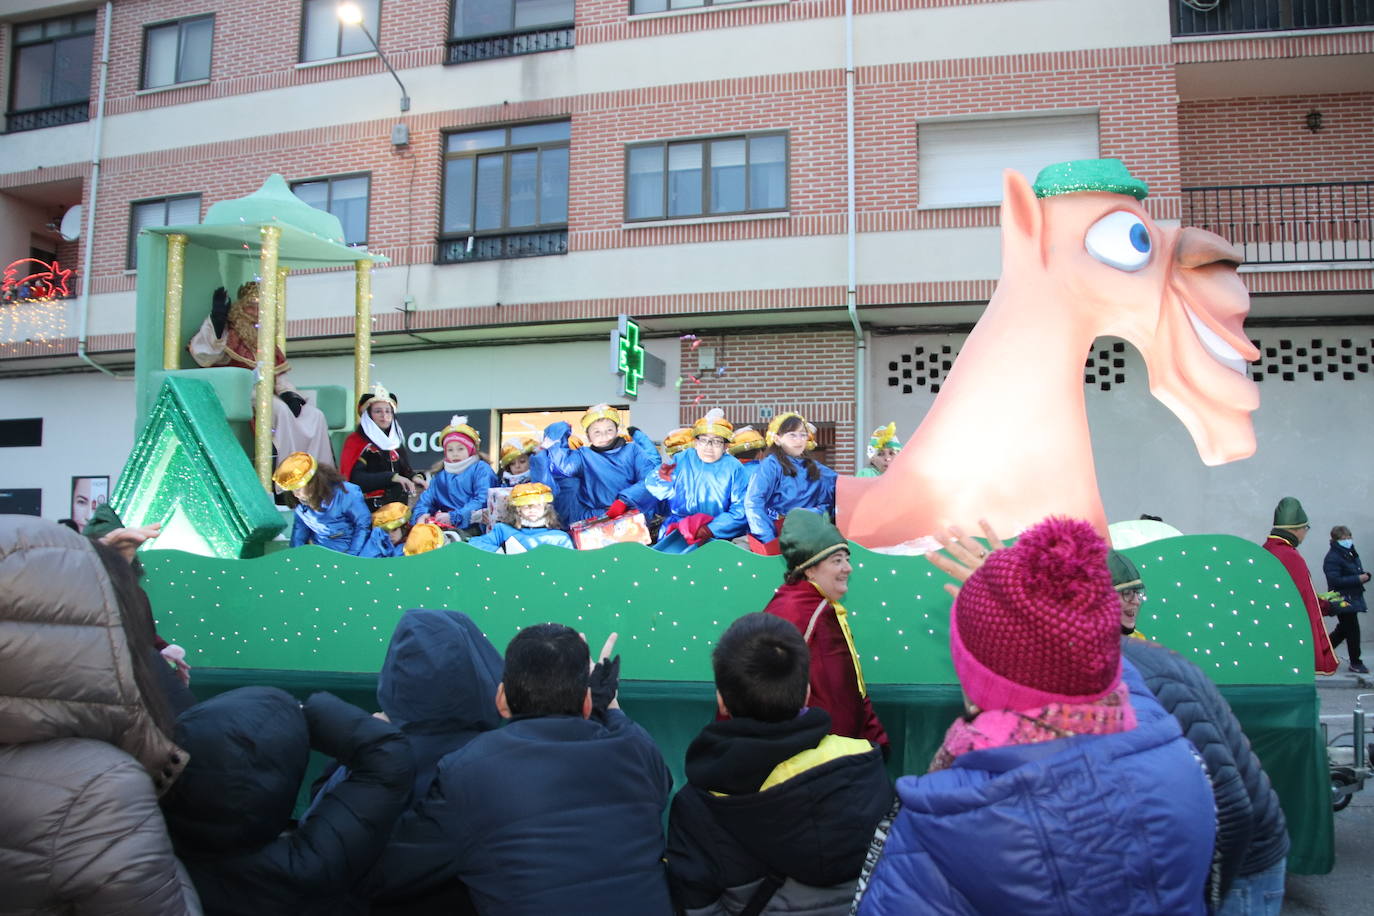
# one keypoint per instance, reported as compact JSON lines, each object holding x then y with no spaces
{"x":87,"y":493}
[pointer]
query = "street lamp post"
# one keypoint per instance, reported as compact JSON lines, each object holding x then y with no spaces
{"x":352,"y":14}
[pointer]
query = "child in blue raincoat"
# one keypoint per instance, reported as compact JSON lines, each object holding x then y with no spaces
{"x":536,"y":523}
{"x":786,"y":479}
{"x":460,"y":489}
{"x":388,"y":535}
{"x":330,"y":511}
{"x":602,"y":470}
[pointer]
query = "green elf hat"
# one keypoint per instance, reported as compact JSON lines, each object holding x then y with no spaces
{"x":807,"y":538}
{"x":1107,"y":175}
{"x":1289,"y":514}
{"x":1124,"y":574}
{"x":103,"y":520}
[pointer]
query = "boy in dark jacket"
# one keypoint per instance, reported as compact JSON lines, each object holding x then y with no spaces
{"x":558,"y":812}
{"x":778,"y":812}
{"x":228,"y":812}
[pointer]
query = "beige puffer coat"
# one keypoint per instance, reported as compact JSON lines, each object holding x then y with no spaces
{"x":81,"y":762}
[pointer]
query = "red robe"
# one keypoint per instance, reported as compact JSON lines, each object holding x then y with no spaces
{"x":834,"y":684}
{"x":1324,"y":657}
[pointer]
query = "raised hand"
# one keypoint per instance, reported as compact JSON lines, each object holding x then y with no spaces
{"x":965,"y":555}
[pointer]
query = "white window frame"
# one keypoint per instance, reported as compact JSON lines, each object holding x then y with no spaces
{"x":132,"y":259}
{"x":178,"y":76}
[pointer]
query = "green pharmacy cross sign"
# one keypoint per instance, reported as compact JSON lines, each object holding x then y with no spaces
{"x":631,"y":361}
{"x":629,"y":356}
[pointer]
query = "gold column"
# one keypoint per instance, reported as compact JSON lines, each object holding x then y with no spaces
{"x":265,"y":387}
{"x":281,"y":308}
{"x":171,"y":309}
{"x":362,"y":328}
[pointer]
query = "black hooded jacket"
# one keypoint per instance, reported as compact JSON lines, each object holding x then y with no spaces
{"x":809,"y":833}
{"x":227,"y":813}
{"x":1252,"y":834}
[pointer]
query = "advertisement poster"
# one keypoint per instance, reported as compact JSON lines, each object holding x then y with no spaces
{"x":87,"y":494}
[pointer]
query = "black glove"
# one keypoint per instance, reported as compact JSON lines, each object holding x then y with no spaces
{"x":292,"y":400}
{"x":219,"y":311}
{"x":604,"y":682}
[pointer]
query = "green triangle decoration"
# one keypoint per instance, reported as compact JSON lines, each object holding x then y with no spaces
{"x":188,"y":472}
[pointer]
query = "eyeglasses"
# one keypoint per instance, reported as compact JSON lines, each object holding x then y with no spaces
{"x":712,"y":441}
{"x":795,"y":434}
{"x":1136,"y":595}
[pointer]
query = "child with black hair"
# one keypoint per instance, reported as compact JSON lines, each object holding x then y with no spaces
{"x":777,"y":813}
{"x":786,"y":479}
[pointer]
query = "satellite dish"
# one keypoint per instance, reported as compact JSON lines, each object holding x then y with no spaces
{"x":70,"y":227}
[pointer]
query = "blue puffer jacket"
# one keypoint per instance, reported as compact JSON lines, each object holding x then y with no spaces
{"x":600,"y":476}
{"x":342,"y":525}
{"x":1343,"y":571}
{"x":1118,"y":824}
{"x":458,"y":494}
{"x":772,"y":494}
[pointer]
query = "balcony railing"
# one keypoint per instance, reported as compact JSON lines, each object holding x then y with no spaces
{"x":52,"y":116}
{"x":466,"y":50}
{"x":1288,"y":223}
{"x":1205,"y":17}
{"x":497,"y":247}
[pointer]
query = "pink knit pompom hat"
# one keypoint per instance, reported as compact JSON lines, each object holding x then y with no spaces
{"x":1039,"y":622}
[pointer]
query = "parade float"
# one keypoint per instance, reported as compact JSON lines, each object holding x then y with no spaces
{"x":309,"y":619}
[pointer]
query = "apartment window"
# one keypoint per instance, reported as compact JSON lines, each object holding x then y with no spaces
{"x":961,"y":162}
{"x":505,"y":192}
{"x":343,"y":195}
{"x":661,"y":6}
{"x":324,"y":37}
{"x":182,"y":210}
{"x":177,"y":52}
{"x":714,"y":176}
{"x":483,"y":29}
{"x":50,"y":78}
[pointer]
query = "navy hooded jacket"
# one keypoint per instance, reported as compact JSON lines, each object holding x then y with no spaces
{"x":1119,"y":824}
{"x":228,"y":810}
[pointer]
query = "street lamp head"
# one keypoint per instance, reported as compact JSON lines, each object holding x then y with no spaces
{"x":350,"y":13}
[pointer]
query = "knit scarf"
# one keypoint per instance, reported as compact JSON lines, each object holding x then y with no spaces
{"x":458,"y":467}
{"x":1005,"y":727}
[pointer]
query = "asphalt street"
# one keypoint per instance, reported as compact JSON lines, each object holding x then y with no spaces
{"x":1349,"y":889}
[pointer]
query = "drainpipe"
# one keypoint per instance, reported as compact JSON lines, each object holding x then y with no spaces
{"x":85,"y":306}
{"x":851,"y":236}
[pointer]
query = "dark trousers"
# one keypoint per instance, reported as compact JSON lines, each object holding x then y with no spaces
{"x":1348,"y":629}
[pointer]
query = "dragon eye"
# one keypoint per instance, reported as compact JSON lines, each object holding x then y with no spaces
{"x":1120,"y":240}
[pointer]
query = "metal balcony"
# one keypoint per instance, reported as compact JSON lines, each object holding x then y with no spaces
{"x":467,"y":50}
{"x":498,"y":247}
{"x":1321,"y":222}
{"x":52,"y":116}
{"x":1207,"y":17}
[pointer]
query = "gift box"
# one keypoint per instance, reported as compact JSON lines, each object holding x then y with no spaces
{"x":630,"y":528}
{"x":498,"y":506}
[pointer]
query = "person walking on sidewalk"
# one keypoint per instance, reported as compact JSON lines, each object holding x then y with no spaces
{"x":1345,"y":574}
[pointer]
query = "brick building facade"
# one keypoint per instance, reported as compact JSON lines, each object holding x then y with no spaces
{"x":1191,"y":103}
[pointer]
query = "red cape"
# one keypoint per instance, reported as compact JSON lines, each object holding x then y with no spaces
{"x":1324,"y":657}
{"x":834,"y":684}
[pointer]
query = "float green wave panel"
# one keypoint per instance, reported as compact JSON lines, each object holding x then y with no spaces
{"x":1222,"y":601}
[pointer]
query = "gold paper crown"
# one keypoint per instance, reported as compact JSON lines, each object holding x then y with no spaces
{"x":530,"y":494}
{"x":746,"y":439}
{"x":777,"y":421}
{"x":295,"y":471}
{"x":714,"y":424}
{"x":378,"y":393}
{"x":600,"y":412}
{"x":391,"y":516}
{"x":423,"y":538}
{"x":677,"y":440}
{"x":460,"y":425}
{"x":511,"y":451}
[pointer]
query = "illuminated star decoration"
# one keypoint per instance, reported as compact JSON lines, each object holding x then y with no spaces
{"x":31,"y":307}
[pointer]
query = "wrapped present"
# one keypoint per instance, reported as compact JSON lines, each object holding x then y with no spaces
{"x":498,"y":506}
{"x":631,"y":528}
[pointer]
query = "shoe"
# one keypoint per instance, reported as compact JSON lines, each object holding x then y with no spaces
{"x":1358,"y":668}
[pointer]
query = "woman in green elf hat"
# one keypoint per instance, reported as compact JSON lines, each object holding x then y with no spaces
{"x":1290,"y":528}
{"x":883,"y":446}
{"x":817,"y":578}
